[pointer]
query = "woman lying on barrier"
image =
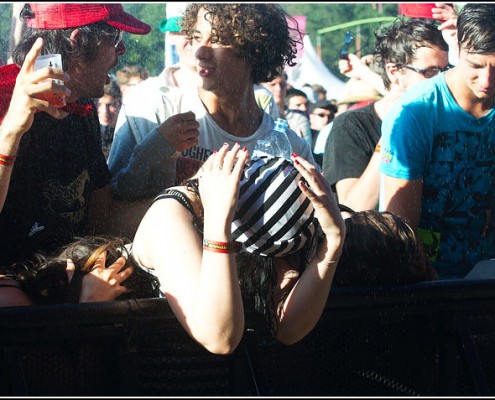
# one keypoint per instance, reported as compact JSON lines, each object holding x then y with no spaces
{"x":266,"y":230}
{"x":90,"y":269}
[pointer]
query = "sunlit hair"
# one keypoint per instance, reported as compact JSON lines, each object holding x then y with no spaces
{"x":476,"y":28}
{"x":258,"y":33}
{"x":399,"y":43}
{"x":112,"y":89}
{"x":381,"y":249}
{"x":46,"y":280}
{"x":124,"y":75}
{"x":57,"y":41}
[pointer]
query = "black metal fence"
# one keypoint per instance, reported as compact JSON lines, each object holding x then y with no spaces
{"x":428,"y":339}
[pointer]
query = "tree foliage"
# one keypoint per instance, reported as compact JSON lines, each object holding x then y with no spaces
{"x":149,"y":50}
{"x":5,"y":23}
{"x":324,"y":15}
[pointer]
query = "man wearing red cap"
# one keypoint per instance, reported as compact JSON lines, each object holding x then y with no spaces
{"x":59,"y":180}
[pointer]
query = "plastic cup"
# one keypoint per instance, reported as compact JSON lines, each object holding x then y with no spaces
{"x":55,"y":61}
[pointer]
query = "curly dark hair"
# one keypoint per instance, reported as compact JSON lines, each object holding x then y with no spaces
{"x":58,"y":41}
{"x":381,"y":249}
{"x":44,"y":278}
{"x":258,"y":32}
{"x":399,"y":42}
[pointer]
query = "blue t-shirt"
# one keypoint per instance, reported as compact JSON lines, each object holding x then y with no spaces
{"x":428,"y":136}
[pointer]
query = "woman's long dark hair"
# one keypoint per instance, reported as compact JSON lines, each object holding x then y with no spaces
{"x":45,"y":278}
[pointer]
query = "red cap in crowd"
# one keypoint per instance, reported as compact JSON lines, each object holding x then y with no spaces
{"x":418,"y":10}
{"x":72,"y":15}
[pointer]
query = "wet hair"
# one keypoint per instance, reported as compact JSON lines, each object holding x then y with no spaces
{"x":45,"y":278}
{"x":258,"y":32}
{"x":381,"y":249}
{"x":476,"y":27}
{"x":399,"y":42}
{"x":57,"y":41}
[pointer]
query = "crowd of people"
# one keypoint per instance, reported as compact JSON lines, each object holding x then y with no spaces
{"x":164,"y":186}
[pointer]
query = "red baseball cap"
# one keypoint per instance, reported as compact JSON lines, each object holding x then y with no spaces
{"x":418,"y":10}
{"x":72,"y":15}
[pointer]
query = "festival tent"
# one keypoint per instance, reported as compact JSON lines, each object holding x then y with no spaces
{"x":310,"y":69}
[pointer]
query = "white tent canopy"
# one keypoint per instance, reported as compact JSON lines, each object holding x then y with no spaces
{"x":310,"y":69}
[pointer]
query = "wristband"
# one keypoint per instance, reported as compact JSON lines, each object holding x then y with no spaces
{"x":7,"y":160}
{"x":221,"y":247}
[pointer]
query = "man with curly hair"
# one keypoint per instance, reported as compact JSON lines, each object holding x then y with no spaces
{"x":236,"y":46}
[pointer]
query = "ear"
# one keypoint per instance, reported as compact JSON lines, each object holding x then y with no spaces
{"x":74,"y":36}
{"x":392,"y":72}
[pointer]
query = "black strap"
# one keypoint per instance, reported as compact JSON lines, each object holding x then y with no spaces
{"x":346,"y":209}
{"x":183,"y":199}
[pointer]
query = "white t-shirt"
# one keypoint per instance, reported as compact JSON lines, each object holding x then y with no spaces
{"x":142,"y":162}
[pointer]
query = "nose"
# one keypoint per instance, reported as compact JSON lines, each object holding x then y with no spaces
{"x":201,"y":52}
{"x":201,"y":48}
{"x":486,"y":77}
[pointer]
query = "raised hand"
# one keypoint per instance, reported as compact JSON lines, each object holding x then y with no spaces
{"x":181,"y":131}
{"x":319,"y":192}
{"x":29,"y":85}
{"x":219,"y":181}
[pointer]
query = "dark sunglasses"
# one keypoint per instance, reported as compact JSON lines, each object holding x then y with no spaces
{"x":428,"y":73}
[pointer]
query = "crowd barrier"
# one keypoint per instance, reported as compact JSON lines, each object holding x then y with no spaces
{"x":427,"y":339}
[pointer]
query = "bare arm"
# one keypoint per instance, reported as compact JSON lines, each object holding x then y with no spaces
{"x":448,"y":15}
{"x":350,"y":191}
{"x":358,"y":68}
{"x":201,"y":286}
{"x":402,"y":197}
{"x":303,"y":307}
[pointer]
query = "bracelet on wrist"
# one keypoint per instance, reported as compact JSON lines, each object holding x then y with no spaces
{"x":221,"y":247}
{"x":7,"y":160}
{"x":378,"y":148}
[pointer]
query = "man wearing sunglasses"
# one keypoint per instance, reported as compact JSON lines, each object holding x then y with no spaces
{"x":321,"y":114}
{"x":438,"y":152}
{"x":406,"y":53}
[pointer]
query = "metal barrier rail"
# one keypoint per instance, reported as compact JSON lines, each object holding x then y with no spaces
{"x":431,"y":339}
